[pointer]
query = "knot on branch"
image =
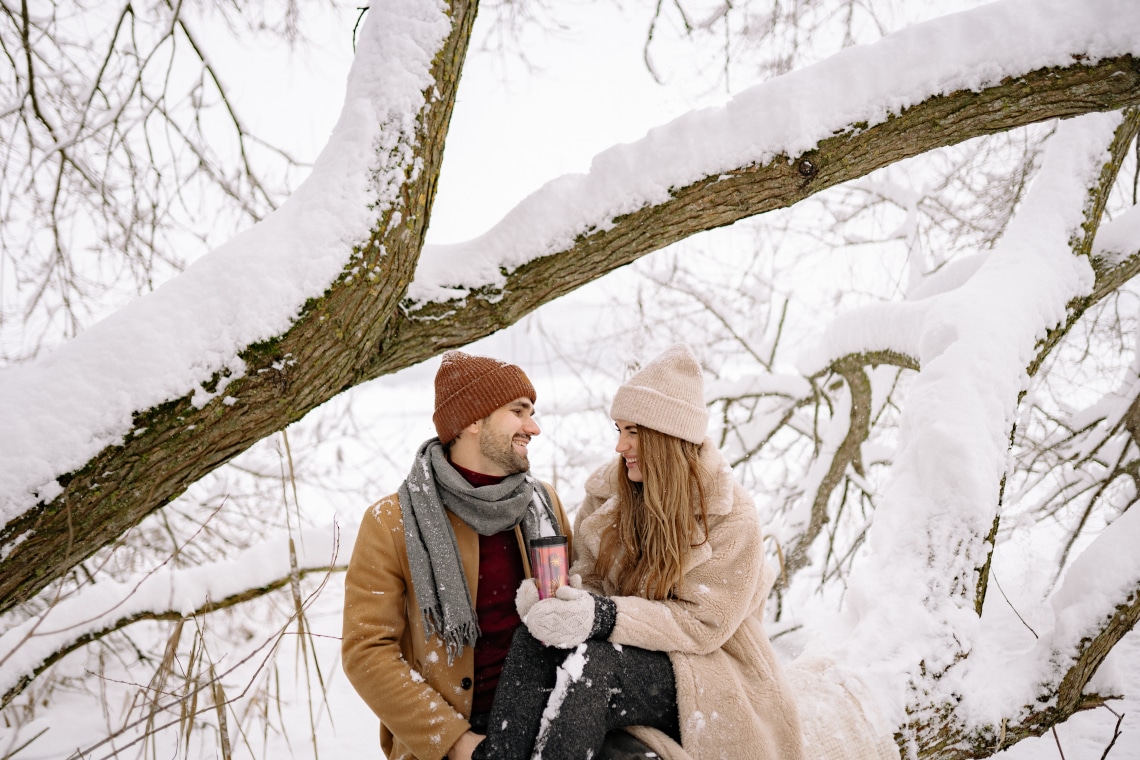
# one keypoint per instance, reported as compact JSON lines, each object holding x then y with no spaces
{"x":807,"y":168}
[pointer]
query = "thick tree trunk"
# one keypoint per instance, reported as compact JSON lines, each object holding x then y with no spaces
{"x":357,"y":330}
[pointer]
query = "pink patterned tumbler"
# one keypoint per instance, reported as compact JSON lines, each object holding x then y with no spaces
{"x":549,"y":563}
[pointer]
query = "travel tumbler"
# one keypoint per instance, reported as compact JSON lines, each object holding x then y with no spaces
{"x":549,"y":563}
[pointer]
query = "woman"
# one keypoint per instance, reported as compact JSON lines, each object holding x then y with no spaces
{"x":665,"y":618}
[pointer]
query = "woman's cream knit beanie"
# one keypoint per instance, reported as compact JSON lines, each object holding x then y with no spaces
{"x":667,"y":395}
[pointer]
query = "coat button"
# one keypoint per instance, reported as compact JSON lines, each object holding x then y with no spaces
{"x":465,"y":683}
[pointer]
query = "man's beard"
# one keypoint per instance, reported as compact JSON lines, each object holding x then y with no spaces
{"x":497,"y":448}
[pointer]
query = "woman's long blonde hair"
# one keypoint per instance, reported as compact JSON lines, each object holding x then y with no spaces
{"x":658,"y":518}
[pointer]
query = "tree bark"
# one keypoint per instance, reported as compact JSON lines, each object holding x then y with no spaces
{"x":357,"y":330}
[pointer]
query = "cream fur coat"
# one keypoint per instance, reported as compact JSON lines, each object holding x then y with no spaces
{"x":733,"y":700}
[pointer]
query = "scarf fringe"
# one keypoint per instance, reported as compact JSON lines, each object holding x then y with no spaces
{"x":453,"y":640}
{"x":456,"y":639}
{"x":430,"y":619}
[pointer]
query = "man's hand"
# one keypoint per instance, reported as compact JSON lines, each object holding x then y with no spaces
{"x":464,"y":746}
{"x":526,"y":597}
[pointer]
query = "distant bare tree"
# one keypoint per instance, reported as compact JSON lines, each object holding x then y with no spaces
{"x":124,"y":154}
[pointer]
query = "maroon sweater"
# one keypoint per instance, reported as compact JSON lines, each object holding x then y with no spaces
{"x":500,"y":573}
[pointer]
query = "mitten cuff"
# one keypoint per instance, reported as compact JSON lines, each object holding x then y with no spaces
{"x":605,"y":617}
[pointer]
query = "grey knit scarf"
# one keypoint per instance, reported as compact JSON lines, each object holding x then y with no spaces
{"x":433,"y":554}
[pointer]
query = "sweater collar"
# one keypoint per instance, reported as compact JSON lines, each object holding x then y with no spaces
{"x":477,"y":479}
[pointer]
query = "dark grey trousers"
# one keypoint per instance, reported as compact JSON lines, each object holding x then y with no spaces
{"x":617,"y":687}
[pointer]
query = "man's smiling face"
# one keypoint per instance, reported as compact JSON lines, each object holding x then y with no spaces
{"x":505,"y":436}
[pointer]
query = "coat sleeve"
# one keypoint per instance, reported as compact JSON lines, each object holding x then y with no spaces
{"x":715,"y":597}
{"x":376,"y":604}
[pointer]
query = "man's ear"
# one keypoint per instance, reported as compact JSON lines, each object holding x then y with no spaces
{"x":473,"y":429}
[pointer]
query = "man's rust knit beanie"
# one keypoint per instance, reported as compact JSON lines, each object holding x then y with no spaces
{"x":468,"y":388}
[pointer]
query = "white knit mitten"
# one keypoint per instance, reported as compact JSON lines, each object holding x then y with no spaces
{"x":564,"y":620}
{"x":526,"y":597}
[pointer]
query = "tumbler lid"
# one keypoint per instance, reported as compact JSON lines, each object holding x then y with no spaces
{"x":549,"y":541}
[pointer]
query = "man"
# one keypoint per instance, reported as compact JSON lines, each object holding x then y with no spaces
{"x":429,"y":608}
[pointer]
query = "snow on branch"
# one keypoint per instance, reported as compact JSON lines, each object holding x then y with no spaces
{"x":1097,"y":603}
{"x":1051,"y":216}
{"x":790,"y":115}
{"x":61,"y":410}
{"x":118,"y":422}
{"x":96,"y":610}
{"x":1103,"y":578}
{"x":1118,"y":239}
{"x":974,"y":343}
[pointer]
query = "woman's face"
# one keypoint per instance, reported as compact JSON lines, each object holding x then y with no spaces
{"x":627,"y":447}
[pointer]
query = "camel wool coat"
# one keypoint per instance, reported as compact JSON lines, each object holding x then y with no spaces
{"x":733,"y":700}
{"x":423,"y":702}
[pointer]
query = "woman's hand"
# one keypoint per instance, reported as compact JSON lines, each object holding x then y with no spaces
{"x":570,"y":617}
{"x":527,"y":594}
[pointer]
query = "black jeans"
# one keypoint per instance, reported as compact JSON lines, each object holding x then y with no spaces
{"x":585,"y":693}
